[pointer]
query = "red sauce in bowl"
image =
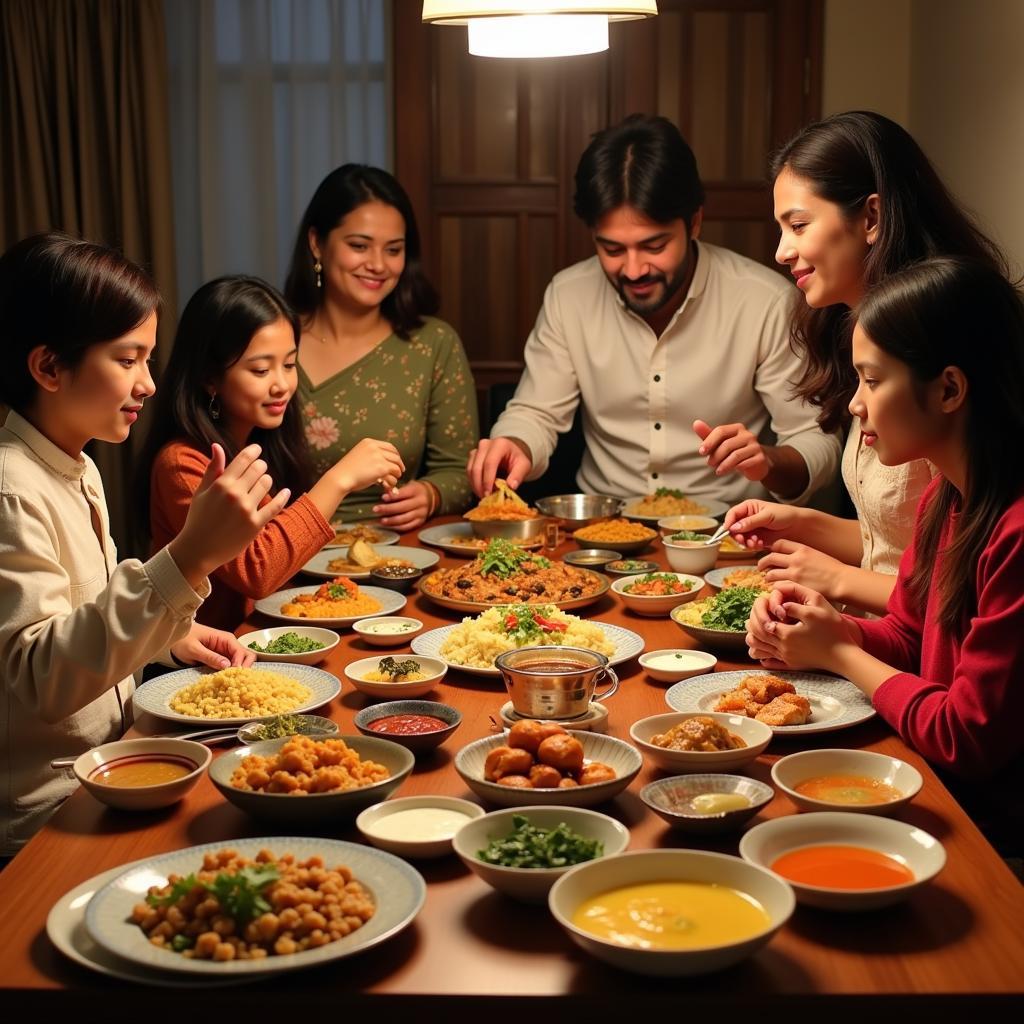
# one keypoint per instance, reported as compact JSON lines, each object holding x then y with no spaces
{"x":408,"y":725}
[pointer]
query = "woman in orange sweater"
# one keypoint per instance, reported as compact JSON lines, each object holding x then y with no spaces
{"x":230,"y":381}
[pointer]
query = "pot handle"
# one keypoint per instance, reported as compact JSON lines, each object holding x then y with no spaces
{"x":613,"y":687}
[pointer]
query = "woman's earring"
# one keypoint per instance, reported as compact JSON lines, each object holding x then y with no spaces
{"x":317,"y":269}
{"x":214,"y":406}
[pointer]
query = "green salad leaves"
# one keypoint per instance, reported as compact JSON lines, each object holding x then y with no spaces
{"x":288,"y":643}
{"x":730,"y":608}
{"x":529,"y":846}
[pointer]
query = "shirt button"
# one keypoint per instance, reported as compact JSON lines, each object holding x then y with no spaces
{"x":654,"y":476}
{"x":657,"y":426}
{"x":657,"y":378}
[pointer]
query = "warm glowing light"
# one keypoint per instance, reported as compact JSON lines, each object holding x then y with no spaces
{"x":538,"y":35}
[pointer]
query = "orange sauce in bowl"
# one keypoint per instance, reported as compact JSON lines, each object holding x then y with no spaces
{"x":848,"y":789}
{"x":143,"y":770}
{"x":842,"y":867}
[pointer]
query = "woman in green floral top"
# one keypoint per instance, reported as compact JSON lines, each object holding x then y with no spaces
{"x":372,"y":360}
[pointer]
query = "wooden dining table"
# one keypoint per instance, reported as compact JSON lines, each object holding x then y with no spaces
{"x":955,"y":947}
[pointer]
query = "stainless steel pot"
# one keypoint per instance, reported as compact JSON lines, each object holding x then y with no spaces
{"x":555,"y":682}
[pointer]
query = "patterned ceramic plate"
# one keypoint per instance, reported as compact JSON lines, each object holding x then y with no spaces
{"x":390,"y":602}
{"x":459,"y":539}
{"x":713,"y":508}
{"x":317,"y":565}
{"x":716,"y":577}
{"x":384,"y":536}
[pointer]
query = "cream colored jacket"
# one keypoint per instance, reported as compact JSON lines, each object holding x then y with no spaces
{"x":74,"y":624}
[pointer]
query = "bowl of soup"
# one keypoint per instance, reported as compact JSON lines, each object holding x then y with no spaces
{"x":859,"y":781}
{"x":670,"y":913}
{"x":142,"y":774}
{"x":418,"y":725}
{"x":842,"y":861}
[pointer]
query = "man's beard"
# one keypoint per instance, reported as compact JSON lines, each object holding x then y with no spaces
{"x":659,"y":297}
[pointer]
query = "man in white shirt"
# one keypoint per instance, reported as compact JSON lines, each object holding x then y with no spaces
{"x":678,"y":350}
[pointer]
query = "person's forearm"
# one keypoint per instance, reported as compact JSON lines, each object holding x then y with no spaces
{"x":864,"y":670}
{"x":828,"y":534}
{"x":788,"y":475}
{"x":865,"y":589}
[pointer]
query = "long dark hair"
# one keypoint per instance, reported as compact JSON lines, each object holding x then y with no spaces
{"x":68,"y":295}
{"x":344,"y":189}
{"x":643,"y":162}
{"x":214,"y":331}
{"x":845,"y":159}
{"x":952,"y":311}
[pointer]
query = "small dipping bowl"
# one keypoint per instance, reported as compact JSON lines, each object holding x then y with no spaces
{"x":630,"y":567}
{"x":671,"y":799}
{"x":417,"y":742}
{"x":674,"y":663}
{"x":419,"y":835}
{"x":395,"y":577}
{"x":433,"y":668}
{"x":554,"y":682}
{"x":591,"y":558}
{"x":88,"y":767}
{"x":690,"y":556}
{"x":698,"y":524}
{"x":388,"y":630}
{"x":576,"y":510}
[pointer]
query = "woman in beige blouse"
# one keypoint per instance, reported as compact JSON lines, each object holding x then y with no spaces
{"x":855,"y":200}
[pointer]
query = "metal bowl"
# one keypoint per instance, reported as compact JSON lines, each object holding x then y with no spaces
{"x":576,"y":510}
{"x":509,"y":529}
{"x":591,"y":558}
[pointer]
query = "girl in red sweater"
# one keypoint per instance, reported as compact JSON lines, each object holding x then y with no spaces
{"x":230,"y":380}
{"x":939,"y":354}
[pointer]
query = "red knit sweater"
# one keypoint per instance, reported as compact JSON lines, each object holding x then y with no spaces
{"x":960,"y":702}
{"x":281,"y":548}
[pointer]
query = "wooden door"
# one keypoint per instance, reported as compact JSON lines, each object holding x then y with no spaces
{"x":487,"y":148}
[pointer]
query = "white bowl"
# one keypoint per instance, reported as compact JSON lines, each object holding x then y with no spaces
{"x":327,"y":637}
{"x":410,"y":846}
{"x":661,"y":605}
{"x":691,"y":555}
{"x":141,"y":798}
{"x":595,"y":877}
{"x":670,"y":798}
{"x":921,"y":853}
{"x":687,"y":663}
{"x":789,"y":772}
{"x":434,"y":667}
{"x":408,"y":628}
{"x":620,"y":756}
{"x":756,"y":734}
{"x":699,"y":524}
{"x":531,"y":885}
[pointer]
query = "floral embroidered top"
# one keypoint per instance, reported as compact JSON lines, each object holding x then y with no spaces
{"x":419,"y":395}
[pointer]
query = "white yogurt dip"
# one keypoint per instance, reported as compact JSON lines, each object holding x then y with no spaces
{"x":419,"y":824}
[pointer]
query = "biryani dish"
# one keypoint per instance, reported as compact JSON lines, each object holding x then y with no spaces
{"x":767,"y":699}
{"x":666,"y":501}
{"x":234,"y":908}
{"x":616,"y":531}
{"x":240,"y":693}
{"x":501,"y":504}
{"x":304,"y":766}
{"x":701,"y":734}
{"x":337,"y":599}
{"x":504,"y":573}
{"x":350,"y":536}
{"x":476,"y":642}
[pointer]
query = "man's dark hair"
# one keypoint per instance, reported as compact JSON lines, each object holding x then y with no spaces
{"x":643,"y":162}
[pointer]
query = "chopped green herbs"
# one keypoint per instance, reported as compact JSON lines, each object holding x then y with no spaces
{"x":240,"y":894}
{"x":524,"y":622}
{"x":390,"y":667}
{"x":689,"y":535}
{"x":529,"y":846}
{"x":668,"y":492}
{"x":286,"y":725}
{"x":730,"y":608}
{"x":288,"y":643}
{"x":502,"y":558}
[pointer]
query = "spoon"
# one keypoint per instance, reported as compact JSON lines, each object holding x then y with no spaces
{"x":718,"y":535}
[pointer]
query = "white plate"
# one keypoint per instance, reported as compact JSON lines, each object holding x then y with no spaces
{"x":155,"y":696}
{"x":716,"y":577}
{"x":627,"y":645}
{"x":390,"y":602}
{"x":715,"y":509}
{"x":388,"y":536}
{"x":65,"y":925}
{"x":835,"y":703}
{"x":397,"y":889}
{"x":317,"y":565}
{"x":437,"y":536}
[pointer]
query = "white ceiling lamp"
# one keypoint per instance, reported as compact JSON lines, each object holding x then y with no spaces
{"x":535,"y":28}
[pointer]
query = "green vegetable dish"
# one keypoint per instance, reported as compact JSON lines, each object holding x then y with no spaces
{"x":287,"y":725}
{"x":528,"y":846}
{"x":729,"y":609}
{"x":502,"y":558}
{"x":288,"y":643}
{"x":689,"y":535}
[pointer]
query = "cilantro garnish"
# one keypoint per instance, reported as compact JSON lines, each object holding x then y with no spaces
{"x":529,"y":846}
{"x":668,"y":492}
{"x":239,"y":893}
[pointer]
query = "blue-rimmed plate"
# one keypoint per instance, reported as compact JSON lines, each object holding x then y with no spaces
{"x":390,"y":602}
{"x":318,"y":565}
{"x":835,"y":703}
{"x":156,"y":695}
{"x":397,"y":890}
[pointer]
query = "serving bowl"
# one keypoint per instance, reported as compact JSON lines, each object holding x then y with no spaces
{"x":600,"y":876}
{"x":433,"y":667}
{"x":395,"y":577}
{"x":661,"y":604}
{"x":509,"y":529}
{"x":624,"y":547}
{"x":405,"y":838}
{"x":671,"y":664}
{"x":591,"y":558}
{"x":378,"y":631}
{"x":576,"y":510}
{"x":722,"y":639}
{"x":790,"y":771}
{"x":418,"y":743}
{"x":698,"y":524}
{"x":690,"y":556}
{"x":755,"y":734}
{"x":89,"y":766}
{"x":314,"y":809}
{"x":921,"y":853}
{"x":621,"y":757}
{"x":299,"y":725}
{"x":531,"y":885}
{"x":630,"y":567}
{"x":327,"y":637}
{"x":670,"y":798}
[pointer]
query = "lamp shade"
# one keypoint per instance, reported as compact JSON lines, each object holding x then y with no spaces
{"x":462,"y":12}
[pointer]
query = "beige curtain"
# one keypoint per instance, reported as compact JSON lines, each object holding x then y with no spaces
{"x":84,"y":148}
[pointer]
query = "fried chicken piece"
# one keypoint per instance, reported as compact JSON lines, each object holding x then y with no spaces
{"x":529,"y":734}
{"x":563,"y":752}
{"x":765,"y":688}
{"x":596,"y":771}
{"x":786,"y":709}
{"x":737,"y":702}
